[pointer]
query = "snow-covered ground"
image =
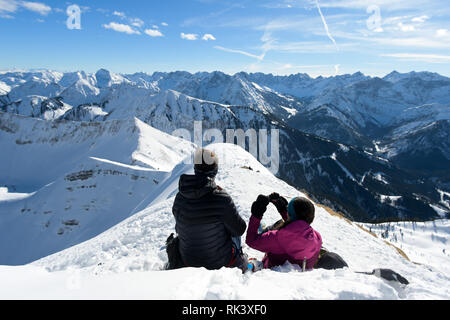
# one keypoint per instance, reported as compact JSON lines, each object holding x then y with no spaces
{"x":424,"y":242}
{"x":6,"y":196}
{"x":126,"y":260}
{"x":71,"y":182}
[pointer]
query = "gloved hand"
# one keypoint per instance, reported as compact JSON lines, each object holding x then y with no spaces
{"x":260,"y":206}
{"x":280,"y":203}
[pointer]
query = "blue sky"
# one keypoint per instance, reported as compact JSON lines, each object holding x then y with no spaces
{"x":318,"y":37}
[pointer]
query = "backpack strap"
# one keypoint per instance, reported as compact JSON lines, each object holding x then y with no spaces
{"x":233,"y":257}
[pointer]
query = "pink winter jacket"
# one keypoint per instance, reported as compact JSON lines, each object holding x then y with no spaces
{"x":292,"y":243}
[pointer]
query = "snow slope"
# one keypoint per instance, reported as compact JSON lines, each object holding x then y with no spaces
{"x":126,"y":260}
{"x":82,"y":179}
{"x":40,"y":151}
{"x":424,"y":242}
{"x":5,"y":195}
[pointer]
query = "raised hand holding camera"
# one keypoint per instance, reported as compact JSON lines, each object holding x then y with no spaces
{"x":260,"y":206}
{"x":280,"y":202}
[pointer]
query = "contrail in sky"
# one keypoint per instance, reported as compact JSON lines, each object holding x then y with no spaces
{"x":260,"y":58}
{"x":325,"y":25}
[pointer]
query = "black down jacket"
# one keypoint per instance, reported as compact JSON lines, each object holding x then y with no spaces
{"x":206,"y":219}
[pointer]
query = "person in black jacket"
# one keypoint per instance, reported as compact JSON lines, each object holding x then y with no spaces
{"x":208,"y":225}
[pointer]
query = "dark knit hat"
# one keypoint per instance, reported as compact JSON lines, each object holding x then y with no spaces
{"x":205,"y":162}
{"x":300,"y":208}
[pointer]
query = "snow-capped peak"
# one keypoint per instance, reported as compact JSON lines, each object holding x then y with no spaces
{"x":106,"y":78}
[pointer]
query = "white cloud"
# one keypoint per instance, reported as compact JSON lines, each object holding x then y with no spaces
{"x":441,"y":33}
{"x":120,"y":28}
{"x":406,"y":28}
{"x":289,"y":66}
{"x":395,"y":19}
{"x":8,"y":6}
{"x":188,"y":36}
{"x":431,"y":58}
{"x":420,"y":19}
{"x":386,"y":5}
{"x":85,"y":9}
{"x":103,"y":11}
{"x":119,"y":14}
{"x":38,"y":7}
{"x":413,"y":40}
{"x":136,"y":22}
{"x":336,"y":69}
{"x":208,"y":36}
{"x":164,"y":24}
{"x":153,"y":33}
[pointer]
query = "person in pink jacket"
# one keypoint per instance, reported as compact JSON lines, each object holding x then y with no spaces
{"x":294,"y":240}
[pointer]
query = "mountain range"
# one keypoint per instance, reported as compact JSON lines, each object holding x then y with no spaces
{"x":372,"y":148}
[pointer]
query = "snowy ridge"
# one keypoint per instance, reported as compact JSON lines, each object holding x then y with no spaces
{"x":353,"y":109}
{"x":100,"y":212}
{"x":84,"y":179}
{"x":78,"y":88}
{"x":423,"y":242}
{"x":126,"y":260}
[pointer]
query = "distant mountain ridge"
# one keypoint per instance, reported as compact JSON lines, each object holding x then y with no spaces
{"x":351,"y":141}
